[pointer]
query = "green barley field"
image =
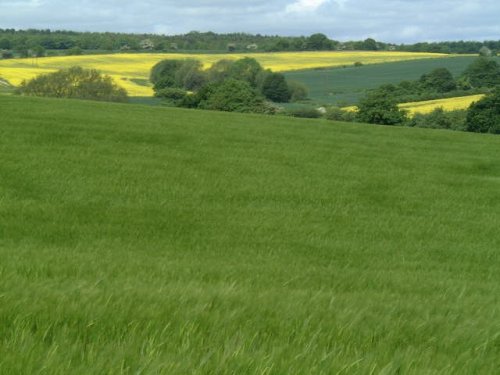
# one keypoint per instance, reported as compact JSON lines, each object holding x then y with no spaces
{"x":146,"y":240}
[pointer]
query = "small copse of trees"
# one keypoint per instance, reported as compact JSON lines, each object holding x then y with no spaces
{"x":75,"y":83}
{"x":242,"y":85}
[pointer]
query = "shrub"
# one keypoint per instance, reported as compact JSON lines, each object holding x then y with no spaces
{"x":76,"y":83}
{"x":334,"y":113}
{"x":275,"y":88}
{"x":439,"y":119}
{"x":440,"y":80}
{"x":297,"y":90}
{"x":339,"y":114}
{"x":306,"y":112}
{"x":483,"y":72}
{"x":170,"y":93}
{"x":376,"y":108}
{"x":484,"y":115}
{"x":231,"y":96}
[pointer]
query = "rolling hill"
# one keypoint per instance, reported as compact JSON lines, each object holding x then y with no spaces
{"x":137,"y":239}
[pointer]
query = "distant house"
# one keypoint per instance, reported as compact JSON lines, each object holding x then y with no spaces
{"x":252,"y":46}
{"x":231,"y":47}
{"x":174,"y":46}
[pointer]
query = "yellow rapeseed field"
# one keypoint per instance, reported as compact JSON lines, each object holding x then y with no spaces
{"x":448,"y":104}
{"x":427,"y":106}
{"x":131,"y":71}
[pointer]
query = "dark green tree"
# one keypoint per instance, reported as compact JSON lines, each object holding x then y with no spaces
{"x":233,"y":96}
{"x":163,"y":73}
{"x":220,"y":70}
{"x":440,"y":80}
{"x":319,"y":42}
{"x":275,"y":88}
{"x":377,"y":108}
{"x":483,"y":72}
{"x":246,"y":69}
{"x":484,"y":115}
{"x":369,"y":45}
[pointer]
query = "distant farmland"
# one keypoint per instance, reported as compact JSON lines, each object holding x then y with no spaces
{"x":448,"y":104}
{"x":131,"y":71}
{"x":347,"y":85}
{"x":427,"y":106}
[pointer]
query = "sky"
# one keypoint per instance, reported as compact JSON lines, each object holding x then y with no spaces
{"x":394,"y":21}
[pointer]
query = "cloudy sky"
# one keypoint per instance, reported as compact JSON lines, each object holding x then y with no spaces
{"x":385,"y":20}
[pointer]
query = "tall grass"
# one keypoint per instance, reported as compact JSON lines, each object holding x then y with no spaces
{"x":148,"y":240}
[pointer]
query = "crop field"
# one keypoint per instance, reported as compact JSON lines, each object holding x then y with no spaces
{"x":131,"y":71}
{"x":427,"y":106}
{"x":138,"y":239}
{"x":448,"y":104}
{"x":345,"y":86}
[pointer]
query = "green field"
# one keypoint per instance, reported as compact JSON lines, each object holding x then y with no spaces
{"x":148,"y":240}
{"x":344,"y":86}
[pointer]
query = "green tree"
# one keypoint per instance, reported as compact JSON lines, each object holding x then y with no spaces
{"x":377,"y":108}
{"x":5,"y":43}
{"x":319,"y":42}
{"x":163,"y":73}
{"x":220,"y":70}
{"x":483,"y":72}
{"x":76,"y":83}
{"x":440,"y":80}
{"x":484,"y":115}
{"x":246,"y":69}
{"x":275,"y":88}
{"x":298,"y":91}
{"x":369,"y":45}
{"x":233,"y":96}
{"x":189,"y":75}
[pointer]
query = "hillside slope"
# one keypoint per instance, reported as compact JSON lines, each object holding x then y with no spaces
{"x":139,"y":239}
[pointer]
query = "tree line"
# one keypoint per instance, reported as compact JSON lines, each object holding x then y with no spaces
{"x":34,"y":42}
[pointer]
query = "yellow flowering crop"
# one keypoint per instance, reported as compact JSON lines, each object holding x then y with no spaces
{"x":427,"y":106}
{"x":448,"y":104}
{"x":131,"y":71}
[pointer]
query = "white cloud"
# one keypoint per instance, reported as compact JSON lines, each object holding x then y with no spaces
{"x":395,"y":21}
{"x":305,"y":6}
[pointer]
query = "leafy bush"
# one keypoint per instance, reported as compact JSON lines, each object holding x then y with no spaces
{"x":305,"y":112}
{"x":171,"y":93}
{"x":483,"y":72}
{"x":339,"y":114}
{"x":275,"y":88}
{"x":297,"y":90}
{"x":484,"y":115}
{"x":439,"y":80}
{"x":75,"y":82}
{"x":232,"y":96}
{"x":377,"y":108}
